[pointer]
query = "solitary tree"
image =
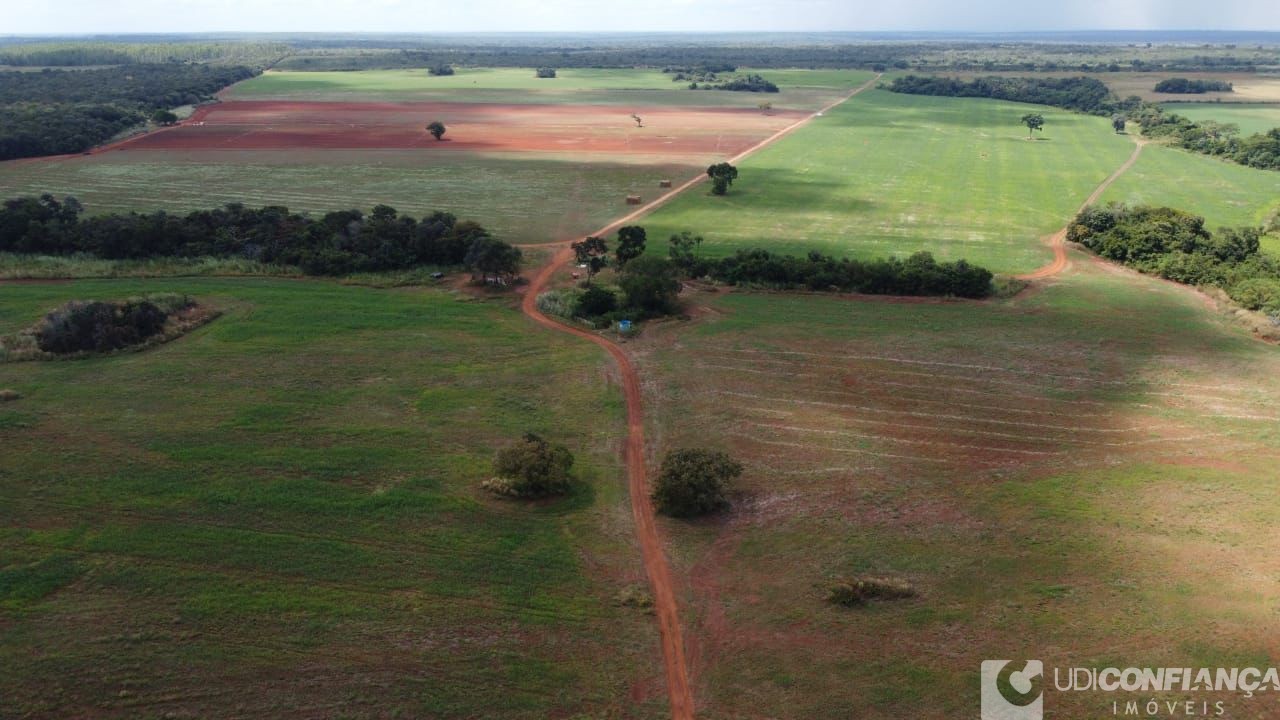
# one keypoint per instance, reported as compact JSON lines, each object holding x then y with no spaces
{"x":637,"y":119}
{"x":546,"y":72}
{"x":592,"y":252}
{"x":631,"y":239}
{"x":163,"y":117}
{"x":1033,"y":121}
{"x":1117,"y":122}
{"x":722,"y":176}
{"x":694,"y":482}
{"x":441,"y":69}
{"x":436,"y":128}
{"x":532,"y":467}
{"x":683,"y":248}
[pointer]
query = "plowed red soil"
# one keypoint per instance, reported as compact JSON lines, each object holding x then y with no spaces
{"x":471,"y":126}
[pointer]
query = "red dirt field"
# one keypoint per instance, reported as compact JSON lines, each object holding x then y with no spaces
{"x":472,"y":126}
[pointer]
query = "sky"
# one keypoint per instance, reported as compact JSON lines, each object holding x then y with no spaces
{"x":407,"y":16}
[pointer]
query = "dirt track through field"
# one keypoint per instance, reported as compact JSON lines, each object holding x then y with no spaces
{"x":655,"y":560}
{"x":1058,"y":240}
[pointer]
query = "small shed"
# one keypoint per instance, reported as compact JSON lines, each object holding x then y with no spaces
{"x":624,"y":326}
{"x":634,"y":200}
{"x":664,"y":183}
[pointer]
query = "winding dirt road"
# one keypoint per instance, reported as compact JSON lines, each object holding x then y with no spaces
{"x":655,"y":560}
{"x":1058,"y":240}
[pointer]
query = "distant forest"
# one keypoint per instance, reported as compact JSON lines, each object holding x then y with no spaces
{"x":53,"y":112}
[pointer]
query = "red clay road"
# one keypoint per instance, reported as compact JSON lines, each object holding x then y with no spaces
{"x":1058,"y":240}
{"x":655,"y":560}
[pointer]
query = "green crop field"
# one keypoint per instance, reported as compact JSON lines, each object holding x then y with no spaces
{"x":1250,"y":117}
{"x":528,"y":197}
{"x":886,"y":174}
{"x":282,"y":510}
{"x":1085,"y":472}
{"x":800,"y":88}
{"x":1224,"y":193}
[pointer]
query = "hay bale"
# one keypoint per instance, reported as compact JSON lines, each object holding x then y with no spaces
{"x":633,"y":200}
{"x":857,"y":591}
{"x":6,"y":395}
{"x":664,"y":183}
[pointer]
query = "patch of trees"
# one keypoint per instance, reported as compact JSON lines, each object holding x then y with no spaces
{"x":1183,"y":86}
{"x":338,"y":243}
{"x":67,"y":111}
{"x":1176,"y":245}
{"x":747,"y":83}
{"x":95,"y":326}
{"x":920,"y":274}
{"x":1072,"y":93}
{"x":1260,"y":150}
{"x":693,"y":482}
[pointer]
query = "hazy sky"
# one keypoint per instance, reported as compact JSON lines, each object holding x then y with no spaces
{"x":123,"y":16}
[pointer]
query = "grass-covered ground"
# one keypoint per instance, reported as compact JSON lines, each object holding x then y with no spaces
{"x":527,"y":197}
{"x":803,"y":89}
{"x":886,"y":174}
{"x":1083,"y":475}
{"x":1224,"y":193}
{"x":280,"y":515}
{"x":1249,"y":117}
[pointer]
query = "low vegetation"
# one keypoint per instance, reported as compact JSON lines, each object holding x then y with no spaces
{"x":77,"y":109}
{"x":694,"y":481}
{"x":338,"y":243}
{"x":1176,"y":245}
{"x":1183,"y":86}
{"x":531,"y":468}
{"x":859,"y":591}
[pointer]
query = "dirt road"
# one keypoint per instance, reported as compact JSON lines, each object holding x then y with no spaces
{"x":655,"y":560}
{"x":1058,"y":240}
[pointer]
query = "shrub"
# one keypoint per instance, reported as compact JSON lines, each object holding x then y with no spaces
{"x":595,"y":301}
{"x":532,"y":468}
{"x":694,"y":482}
{"x":560,"y":303}
{"x":861,"y":590}
{"x":99,"y":326}
{"x":1258,"y":294}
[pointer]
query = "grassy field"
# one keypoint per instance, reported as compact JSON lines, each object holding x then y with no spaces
{"x":892,"y":174}
{"x":521,"y":198}
{"x":1082,"y":475}
{"x":1224,"y":193}
{"x":280,"y":515}
{"x":1251,"y":118}
{"x":800,"y":88}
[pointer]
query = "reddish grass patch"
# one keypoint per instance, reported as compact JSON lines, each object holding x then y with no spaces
{"x":471,"y":126}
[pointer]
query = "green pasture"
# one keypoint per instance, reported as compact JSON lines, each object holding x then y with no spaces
{"x":1249,"y":117}
{"x":283,"y":510}
{"x":887,"y":174}
{"x":647,"y":87}
{"x":530,"y":198}
{"x":1224,"y":193}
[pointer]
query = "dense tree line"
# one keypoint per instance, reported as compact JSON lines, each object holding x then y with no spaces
{"x":1074,"y":93}
{"x":65,"y":111}
{"x":337,"y":243}
{"x":1260,"y":150}
{"x":746,"y":83}
{"x":919,"y":274}
{"x":1176,"y":245}
{"x":1183,"y":86}
{"x":173,"y":49}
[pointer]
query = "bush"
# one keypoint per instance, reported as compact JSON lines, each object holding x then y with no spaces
{"x":595,"y":301}
{"x":694,"y":482}
{"x":99,"y":326}
{"x":532,"y":468}
{"x":859,"y":591}
{"x":1261,"y":294}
